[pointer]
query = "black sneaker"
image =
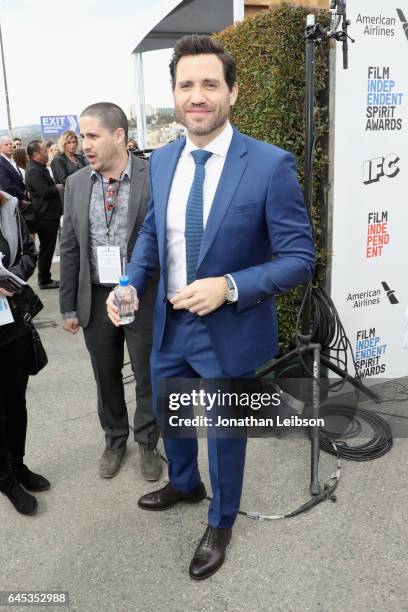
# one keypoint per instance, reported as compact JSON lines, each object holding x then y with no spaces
{"x":52,"y":284}
{"x":23,"y":502}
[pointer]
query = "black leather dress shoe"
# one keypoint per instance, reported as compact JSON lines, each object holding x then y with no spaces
{"x":210,"y":553}
{"x":51,"y":285}
{"x":167,"y":496}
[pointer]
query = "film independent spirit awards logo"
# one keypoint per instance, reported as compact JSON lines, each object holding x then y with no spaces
{"x":372,"y":297}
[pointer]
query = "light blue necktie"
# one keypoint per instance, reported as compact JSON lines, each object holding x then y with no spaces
{"x":193,"y":232}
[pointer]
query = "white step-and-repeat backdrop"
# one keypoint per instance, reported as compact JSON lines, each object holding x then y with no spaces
{"x":370,"y":195}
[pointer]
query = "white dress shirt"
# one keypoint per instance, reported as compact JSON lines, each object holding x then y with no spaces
{"x":176,"y":209}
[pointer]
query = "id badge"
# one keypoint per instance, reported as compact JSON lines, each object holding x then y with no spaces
{"x":108,"y":264}
{"x":6,"y":316}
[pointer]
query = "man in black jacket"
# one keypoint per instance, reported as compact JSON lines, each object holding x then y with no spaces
{"x":46,"y":199}
{"x":11,"y":180}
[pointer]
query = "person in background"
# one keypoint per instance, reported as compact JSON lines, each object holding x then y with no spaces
{"x":68,"y":161}
{"x":18,"y":256}
{"x":132,"y":145}
{"x":17,"y":143}
{"x":53,"y":151}
{"x":11,"y":179}
{"x":21,"y":158}
{"x":46,"y":201}
{"x":133,"y":148}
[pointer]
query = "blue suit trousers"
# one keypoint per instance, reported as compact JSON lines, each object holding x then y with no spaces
{"x":187,"y":353}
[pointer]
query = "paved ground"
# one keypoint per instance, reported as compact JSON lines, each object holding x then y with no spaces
{"x":89,"y":537}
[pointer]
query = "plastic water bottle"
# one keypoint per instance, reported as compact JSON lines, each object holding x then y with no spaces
{"x":125,"y":299}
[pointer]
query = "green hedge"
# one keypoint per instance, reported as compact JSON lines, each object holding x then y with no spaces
{"x":269,"y":50}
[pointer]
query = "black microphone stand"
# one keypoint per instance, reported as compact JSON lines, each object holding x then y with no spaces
{"x":306,"y":350}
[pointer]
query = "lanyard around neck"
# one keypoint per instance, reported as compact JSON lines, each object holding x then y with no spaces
{"x":108,"y":208}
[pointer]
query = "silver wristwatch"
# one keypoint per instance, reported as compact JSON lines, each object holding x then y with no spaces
{"x":231,"y":295}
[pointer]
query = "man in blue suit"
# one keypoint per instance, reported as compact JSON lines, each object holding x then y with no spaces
{"x":228,"y":226}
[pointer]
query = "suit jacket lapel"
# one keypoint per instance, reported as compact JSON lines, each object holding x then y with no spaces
{"x":234,"y":166}
{"x":83,"y":201}
{"x":16,"y":173}
{"x":137,"y":181}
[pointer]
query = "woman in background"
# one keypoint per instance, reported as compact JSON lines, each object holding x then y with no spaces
{"x":16,"y":351}
{"x":53,"y":151}
{"x":21,"y":158}
{"x":68,"y":161}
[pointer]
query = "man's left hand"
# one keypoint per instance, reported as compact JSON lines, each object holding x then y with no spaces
{"x":202,"y":296}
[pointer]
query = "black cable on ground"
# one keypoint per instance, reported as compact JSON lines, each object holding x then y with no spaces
{"x":378,"y":445}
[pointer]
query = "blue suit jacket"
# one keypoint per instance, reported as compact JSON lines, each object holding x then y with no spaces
{"x":11,"y":180}
{"x":257,"y":230}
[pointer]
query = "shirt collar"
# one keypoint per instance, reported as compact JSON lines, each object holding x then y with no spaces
{"x":218,"y":146}
{"x":127,"y":172}
{"x":9,"y":159}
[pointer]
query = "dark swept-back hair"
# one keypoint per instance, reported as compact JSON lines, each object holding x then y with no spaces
{"x":33,"y":147}
{"x":110,"y":115}
{"x":199,"y":44}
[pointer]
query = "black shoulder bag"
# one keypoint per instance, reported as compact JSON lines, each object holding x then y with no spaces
{"x":39,"y":356}
{"x":28,"y":305}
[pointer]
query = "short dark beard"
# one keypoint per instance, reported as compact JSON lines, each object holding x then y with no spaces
{"x":203,"y":130}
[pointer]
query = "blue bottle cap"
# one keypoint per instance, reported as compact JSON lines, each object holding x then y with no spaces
{"x":124,"y":281}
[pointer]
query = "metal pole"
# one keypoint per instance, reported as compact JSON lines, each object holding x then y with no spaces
{"x":140,"y":102}
{"x":309,"y":124}
{"x":239,"y":10}
{"x":5,"y":85}
{"x":309,"y":144}
{"x":314,"y":429}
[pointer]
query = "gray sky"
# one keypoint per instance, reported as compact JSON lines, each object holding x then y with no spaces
{"x":62,"y":55}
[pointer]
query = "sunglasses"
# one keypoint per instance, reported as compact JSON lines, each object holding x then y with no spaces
{"x":111,"y":199}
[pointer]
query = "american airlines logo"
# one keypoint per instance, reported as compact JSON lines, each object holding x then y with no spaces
{"x":371,"y":297}
{"x":403,"y":21}
{"x":377,"y":168}
{"x":390,"y":293}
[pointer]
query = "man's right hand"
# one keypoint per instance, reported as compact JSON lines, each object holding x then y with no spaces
{"x":71,"y":326}
{"x":113,"y":311}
